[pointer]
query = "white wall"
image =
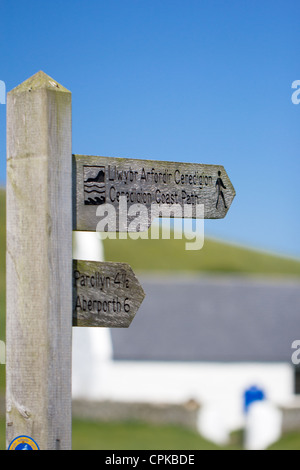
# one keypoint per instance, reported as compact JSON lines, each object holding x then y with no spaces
{"x":218,"y":387}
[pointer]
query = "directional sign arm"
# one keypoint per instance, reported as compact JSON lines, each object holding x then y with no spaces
{"x":105,"y":294}
{"x":121,"y":186}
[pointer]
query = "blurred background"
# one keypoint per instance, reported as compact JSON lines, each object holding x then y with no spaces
{"x":210,"y":361}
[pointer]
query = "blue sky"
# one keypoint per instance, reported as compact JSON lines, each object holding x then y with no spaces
{"x":182,"y":80}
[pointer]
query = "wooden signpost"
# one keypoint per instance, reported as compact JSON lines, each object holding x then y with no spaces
{"x":39,"y":263}
{"x":47,"y":196}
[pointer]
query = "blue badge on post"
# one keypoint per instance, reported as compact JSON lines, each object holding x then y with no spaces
{"x":23,"y":443}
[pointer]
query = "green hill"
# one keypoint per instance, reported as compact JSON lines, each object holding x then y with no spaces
{"x":213,"y":258}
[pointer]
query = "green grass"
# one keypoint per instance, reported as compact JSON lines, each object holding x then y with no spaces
{"x":214,"y":258}
{"x":134,"y":436}
{"x":289,"y":441}
{"x":90,"y":435}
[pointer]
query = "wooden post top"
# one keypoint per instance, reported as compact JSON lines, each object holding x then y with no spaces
{"x":37,"y":82}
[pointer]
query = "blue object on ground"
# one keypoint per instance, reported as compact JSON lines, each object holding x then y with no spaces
{"x":251,"y":395}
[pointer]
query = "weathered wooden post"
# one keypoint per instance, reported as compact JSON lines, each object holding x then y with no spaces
{"x":39,"y":263}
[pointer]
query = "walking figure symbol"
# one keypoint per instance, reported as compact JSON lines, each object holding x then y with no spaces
{"x":220,"y":185}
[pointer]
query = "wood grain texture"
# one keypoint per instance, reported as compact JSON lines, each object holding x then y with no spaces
{"x":39,"y":263}
{"x":105,"y":294}
{"x":177,"y":188}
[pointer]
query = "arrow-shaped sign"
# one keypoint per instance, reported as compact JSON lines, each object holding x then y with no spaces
{"x":105,"y":294}
{"x":130,"y":193}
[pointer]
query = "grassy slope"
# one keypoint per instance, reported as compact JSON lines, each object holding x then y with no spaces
{"x":215,"y":258}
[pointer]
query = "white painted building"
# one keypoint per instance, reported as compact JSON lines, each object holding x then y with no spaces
{"x":207,"y":339}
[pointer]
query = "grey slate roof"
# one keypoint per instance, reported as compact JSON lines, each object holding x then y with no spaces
{"x":209,"y":319}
